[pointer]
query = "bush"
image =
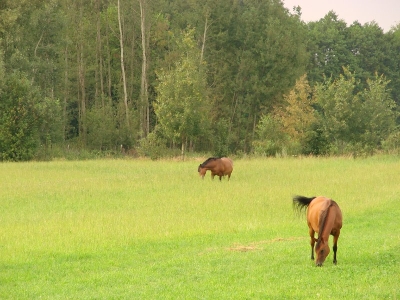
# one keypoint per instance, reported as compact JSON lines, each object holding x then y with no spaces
{"x":270,"y":139}
{"x":19,"y":121}
{"x":154,"y":146}
{"x":392,"y":143}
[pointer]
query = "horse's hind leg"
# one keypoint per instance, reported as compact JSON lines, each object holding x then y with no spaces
{"x":335,"y":239}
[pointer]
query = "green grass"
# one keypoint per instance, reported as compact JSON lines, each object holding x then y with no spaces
{"x":139,"y":229}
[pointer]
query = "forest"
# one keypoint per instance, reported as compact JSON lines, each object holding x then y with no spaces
{"x":163,"y":78}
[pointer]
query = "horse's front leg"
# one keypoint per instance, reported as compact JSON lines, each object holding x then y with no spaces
{"x":312,"y":241}
{"x":212,"y":175}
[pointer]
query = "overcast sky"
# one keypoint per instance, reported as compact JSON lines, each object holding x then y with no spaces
{"x":384,"y":12}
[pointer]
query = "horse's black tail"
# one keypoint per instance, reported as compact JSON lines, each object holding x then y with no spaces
{"x":300,"y":202}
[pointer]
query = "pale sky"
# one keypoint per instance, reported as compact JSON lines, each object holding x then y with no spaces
{"x":384,"y":12}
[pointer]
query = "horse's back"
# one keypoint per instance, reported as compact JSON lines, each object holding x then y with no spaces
{"x":319,"y":202}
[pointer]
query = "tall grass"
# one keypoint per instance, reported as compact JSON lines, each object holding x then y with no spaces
{"x":139,"y":229}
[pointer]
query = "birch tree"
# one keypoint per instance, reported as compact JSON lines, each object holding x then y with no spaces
{"x":145,"y":115}
{"x":121,"y":42}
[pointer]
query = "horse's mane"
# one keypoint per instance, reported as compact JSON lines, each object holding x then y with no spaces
{"x":322,"y":221}
{"x":207,"y":161}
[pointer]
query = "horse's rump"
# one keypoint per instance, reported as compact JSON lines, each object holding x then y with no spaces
{"x":228,"y":164}
{"x":317,"y":212}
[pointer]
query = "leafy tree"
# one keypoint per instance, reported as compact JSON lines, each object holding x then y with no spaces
{"x":297,"y":114}
{"x":369,"y":51}
{"x":255,"y":52}
{"x":379,"y":113}
{"x":393,"y":59}
{"x":328,"y":48}
{"x":181,"y":106}
{"x":355,"y":121}
{"x":340,"y":115}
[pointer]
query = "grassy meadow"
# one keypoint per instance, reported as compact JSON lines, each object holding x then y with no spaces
{"x":141,"y":229}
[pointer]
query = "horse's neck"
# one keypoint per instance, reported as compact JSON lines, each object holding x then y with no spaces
{"x":211,"y":166}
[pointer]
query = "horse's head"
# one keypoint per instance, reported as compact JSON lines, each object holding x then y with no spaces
{"x":321,"y":250}
{"x":202,"y":171}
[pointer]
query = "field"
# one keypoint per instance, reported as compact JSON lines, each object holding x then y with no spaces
{"x":140,"y":229}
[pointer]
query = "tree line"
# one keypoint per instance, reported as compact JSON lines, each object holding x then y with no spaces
{"x":160,"y":77}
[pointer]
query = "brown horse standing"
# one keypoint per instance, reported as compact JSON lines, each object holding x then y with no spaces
{"x":324,"y":217}
{"x":218,"y":166}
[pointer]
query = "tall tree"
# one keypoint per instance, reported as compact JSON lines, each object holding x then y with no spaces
{"x":393,"y":59}
{"x":328,"y":48}
{"x":99,"y":55}
{"x":256,"y":52}
{"x":182,"y":105}
{"x":368,"y":51}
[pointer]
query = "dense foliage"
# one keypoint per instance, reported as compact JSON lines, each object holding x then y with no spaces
{"x":212,"y":76}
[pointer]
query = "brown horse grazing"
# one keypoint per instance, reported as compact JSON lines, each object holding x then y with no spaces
{"x":218,"y":166}
{"x":324,"y":217}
